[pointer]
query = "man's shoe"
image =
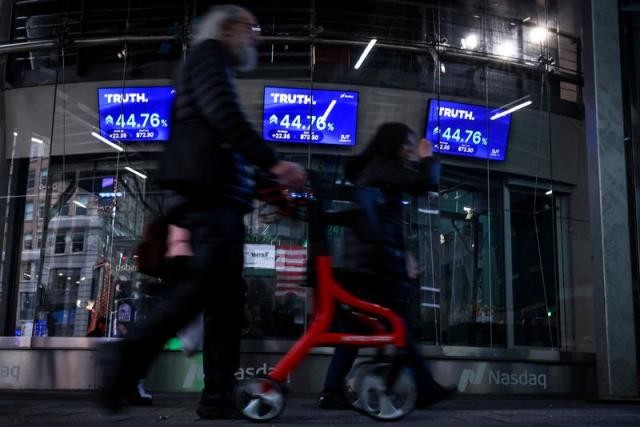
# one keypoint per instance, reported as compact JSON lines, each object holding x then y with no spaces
{"x":333,"y":400}
{"x":431,"y":397}
{"x":217,"y":407}
{"x":137,"y":396}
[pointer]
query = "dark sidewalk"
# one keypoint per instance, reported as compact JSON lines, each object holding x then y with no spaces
{"x":18,"y":408}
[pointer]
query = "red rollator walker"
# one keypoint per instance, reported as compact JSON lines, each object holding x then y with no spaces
{"x":382,"y":390}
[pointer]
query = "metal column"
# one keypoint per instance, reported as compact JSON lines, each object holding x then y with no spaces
{"x":613,"y":300}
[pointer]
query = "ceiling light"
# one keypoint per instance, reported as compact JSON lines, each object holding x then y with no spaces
{"x":511,"y":110}
{"x":365,"y":53}
{"x":15,"y":133}
{"x":538,"y":34}
{"x":443,"y":69}
{"x":82,"y":205}
{"x":133,"y":171}
{"x":470,"y":42}
{"x":106,"y":141}
{"x":548,"y":193}
{"x":507,"y":48}
{"x":36,"y":140}
{"x":528,"y":18}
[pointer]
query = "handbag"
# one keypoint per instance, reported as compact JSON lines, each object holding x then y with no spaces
{"x":151,"y":250}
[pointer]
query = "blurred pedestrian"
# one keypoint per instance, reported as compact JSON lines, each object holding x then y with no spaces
{"x":207,"y":167}
{"x":394,"y":162}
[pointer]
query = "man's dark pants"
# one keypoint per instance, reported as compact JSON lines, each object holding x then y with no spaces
{"x":212,"y":281}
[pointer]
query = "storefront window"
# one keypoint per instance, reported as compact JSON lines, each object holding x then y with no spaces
{"x":497,"y":91}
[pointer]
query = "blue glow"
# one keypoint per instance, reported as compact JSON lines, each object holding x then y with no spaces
{"x":136,"y":113}
{"x":326,"y":117}
{"x":466,"y":130}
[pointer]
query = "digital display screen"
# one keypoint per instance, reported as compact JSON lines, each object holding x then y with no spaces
{"x":107,"y":182}
{"x":326,"y":117}
{"x":467,"y":130}
{"x":136,"y":113}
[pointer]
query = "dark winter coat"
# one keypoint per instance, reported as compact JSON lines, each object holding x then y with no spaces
{"x":212,"y":143}
{"x":378,"y":248}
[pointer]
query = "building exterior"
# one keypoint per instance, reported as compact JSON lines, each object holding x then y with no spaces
{"x":527,"y":255}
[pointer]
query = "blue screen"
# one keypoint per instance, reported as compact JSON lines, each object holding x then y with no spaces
{"x":136,"y":113}
{"x":467,"y":130}
{"x":302,"y":116}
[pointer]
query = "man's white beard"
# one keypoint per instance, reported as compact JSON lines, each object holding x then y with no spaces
{"x":247,"y":57}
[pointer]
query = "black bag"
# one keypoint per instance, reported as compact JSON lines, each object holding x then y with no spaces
{"x":194,"y":163}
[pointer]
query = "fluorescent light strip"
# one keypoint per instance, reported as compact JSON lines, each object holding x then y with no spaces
{"x":429,"y":211}
{"x":511,"y":110}
{"x":365,"y":53}
{"x":548,"y":193}
{"x":133,"y":171}
{"x":106,"y":141}
{"x":37,"y":140}
{"x":82,"y":205}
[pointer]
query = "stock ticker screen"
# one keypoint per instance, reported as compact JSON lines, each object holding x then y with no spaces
{"x":293,"y":115}
{"x":468,"y":130}
{"x":136,"y":113}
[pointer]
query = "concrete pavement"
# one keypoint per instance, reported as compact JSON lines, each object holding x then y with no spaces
{"x":20,"y":408}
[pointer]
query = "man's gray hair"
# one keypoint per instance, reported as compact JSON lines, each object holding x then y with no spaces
{"x":210,"y":25}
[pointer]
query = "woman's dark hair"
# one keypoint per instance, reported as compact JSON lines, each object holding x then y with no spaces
{"x":386,"y":143}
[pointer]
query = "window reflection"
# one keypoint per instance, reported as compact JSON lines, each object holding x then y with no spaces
{"x":82,"y":212}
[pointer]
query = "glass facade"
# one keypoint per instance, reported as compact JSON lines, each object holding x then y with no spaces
{"x":502,"y":248}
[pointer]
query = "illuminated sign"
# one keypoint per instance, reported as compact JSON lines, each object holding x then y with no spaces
{"x":136,"y":113}
{"x":467,"y":130}
{"x":295,"y":115}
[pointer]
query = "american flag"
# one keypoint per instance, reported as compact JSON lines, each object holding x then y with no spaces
{"x":291,"y":270}
{"x":101,"y":307}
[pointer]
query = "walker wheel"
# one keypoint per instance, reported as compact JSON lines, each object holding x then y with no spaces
{"x":371,"y":395}
{"x":259,"y":399}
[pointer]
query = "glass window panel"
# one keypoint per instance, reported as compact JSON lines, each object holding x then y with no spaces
{"x":28,"y":242}
{"x":31,"y":180}
{"x":28,"y":211}
{"x":81,"y":204}
{"x":43,"y":178}
{"x":27,"y":305}
{"x":60,"y":243}
{"x":61,"y":305}
{"x":77,"y":241}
